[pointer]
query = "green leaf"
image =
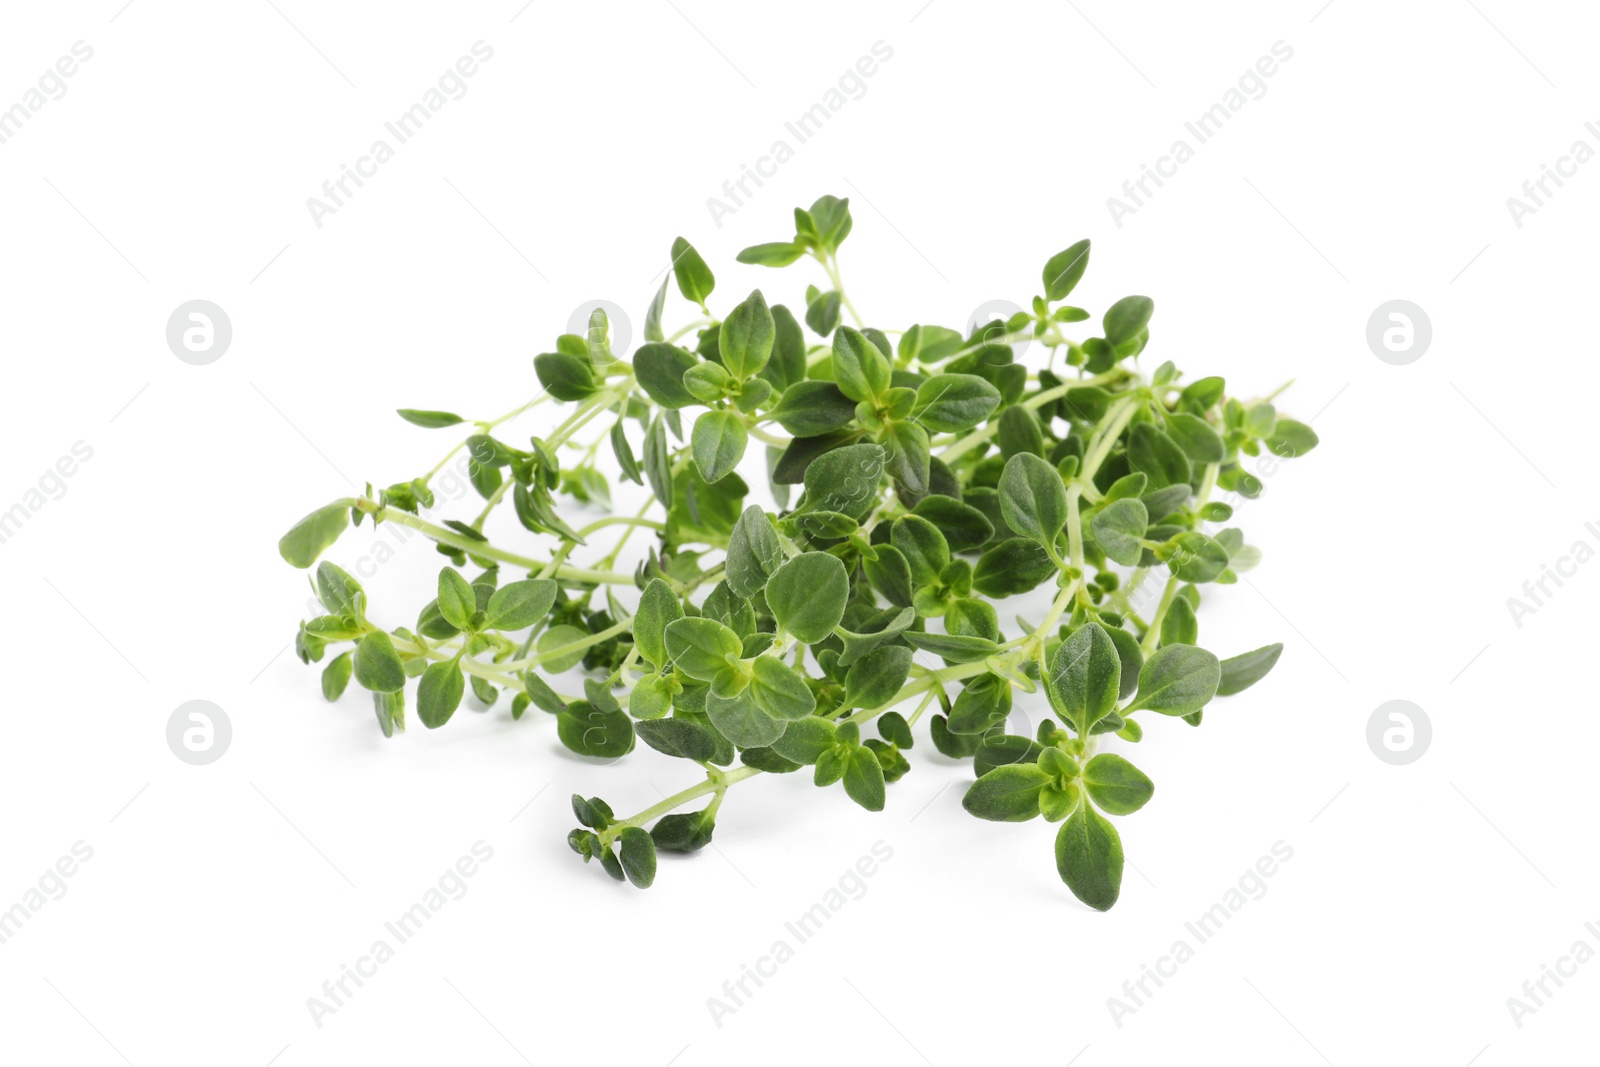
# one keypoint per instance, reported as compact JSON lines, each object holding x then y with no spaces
{"x":651,"y":697}
{"x":1194,"y":557}
{"x":982,"y":704}
{"x":1241,"y":672}
{"x":518,"y":605}
{"x":565,"y":376}
{"x":780,"y":691}
{"x":1290,"y":438}
{"x":1002,"y":750}
{"x":439,"y":693}
{"x":1116,"y":785}
{"x":964,"y":527}
{"x":1007,"y":794}
{"x":695,"y":280}
{"x":910,"y":458}
{"x":754,"y":552}
{"x":314,"y":534}
{"x":1194,"y":435}
{"x":659,"y":369}
{"x":718,"y":443}
{"x":875,"y":678}
{"x":895,"y":730}
{"x":809,"y":408}
{"x":560,"y":648}
{"x":952,"y":403}
{"x":1127,"y":318}
{"x":861,"y":370}
{"x":1089,"y":858}
{"x":890,"y":575}
{"x":1085,"y":674}
{"x":953,"y":647}
{"x":430,"y":420}
{"x":336,"y":676}
{"x":678,"y":737}
{"x":1062,"y":273}
{"x":773,"y":253}
{"x":540,"y":693}
{"x":652,"y":316}
{"x":588,"y":731}
{"x":377,"y":664}
{"x":1177,"y":680}
{"x":338,"y":592}
{"x":745,"y":340}
{"x":1013,"y":566}
{"x":805,"y":740}
{"x":1118,"y":530}
{"x":1260,"y":420}
{"x":1020,"y":432}
{"x":639,"y":856}
{"x":845,"y":480}
{"x":700,"y":647}
{"x":953,"y":745}
{"x":863,"y":778}
{"x":740,"y":719}
{"x":484,"y":690}
{"x":608,"y":863}
{"x":1157,"y":456}
{"x":1163,"y":503}
{"x":827,"y":223}
{"x":787,"y":367}
{"x":1201,"y":395}
{"x":457,"y":601}
{"x":624,"y":453}
{"x":658,"y":606}
{"x":929,"y":344}
{"x":923,"y":546}
{"x":1180,"y":627}
{"x":1033,"y":499}
{"x":658,"y":463}
{"x":879,"y":629}
{"x":822,"y":313}
{"x":638,"y":850}
{"x":807,"y":595}
{"x":683,"y":831}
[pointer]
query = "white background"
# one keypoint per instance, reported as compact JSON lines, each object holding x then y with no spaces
{"x":219,"y":899}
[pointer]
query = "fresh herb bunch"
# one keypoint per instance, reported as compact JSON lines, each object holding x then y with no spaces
{"x":935,"y":476}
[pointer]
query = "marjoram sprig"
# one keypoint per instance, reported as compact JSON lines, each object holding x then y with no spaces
{"x":917,"y":483}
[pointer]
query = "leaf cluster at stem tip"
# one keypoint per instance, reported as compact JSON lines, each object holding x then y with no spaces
{"x":916,"y":484}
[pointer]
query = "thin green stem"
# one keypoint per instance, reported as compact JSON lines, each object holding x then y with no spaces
{"x":716,"y":783}
{"x":620,"y":520}
{"x":485,"y":549}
